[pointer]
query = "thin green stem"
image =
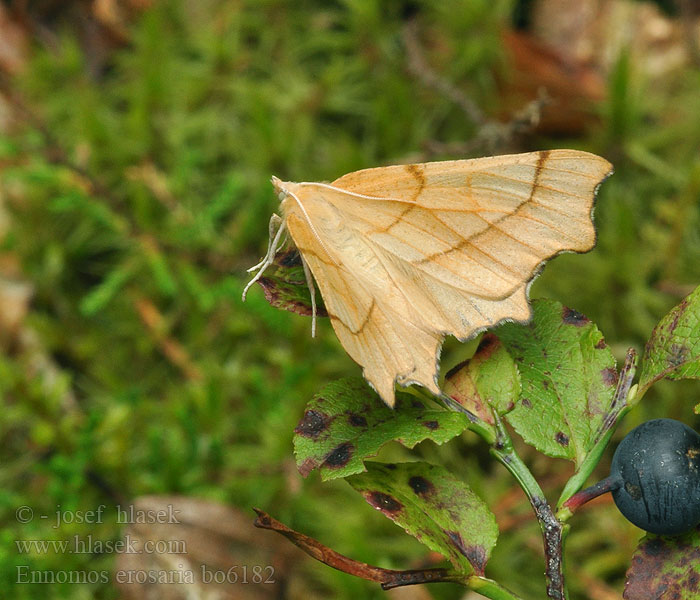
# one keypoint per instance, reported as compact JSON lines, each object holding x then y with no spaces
{"x":505,"y":453}
{"x":552,"y":528}
{"x":489,"y":588}
{"x":502,"y":449}
{"x":579,"y":478}
{"x":620,"y":405}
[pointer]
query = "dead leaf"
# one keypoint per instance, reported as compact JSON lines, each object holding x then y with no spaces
{"x":595,"y":32}
{"x":14,"y":45}
{"x":572,"y":87}
{"x":202,"y":550}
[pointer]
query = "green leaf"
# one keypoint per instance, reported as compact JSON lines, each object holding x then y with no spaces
{"x":568,"y":378}
{"x":346,"y":422}
{"x":487,"y":382}
{"x":673,"y":350}
{"x":285,"y":286}
{"x":665,"y":568}
{"x":433,"y":506}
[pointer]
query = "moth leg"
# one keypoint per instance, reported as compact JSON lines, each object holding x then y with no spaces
{"x":269,"y":258}
{"x":275,"y":222}
{"x":312,"y":291}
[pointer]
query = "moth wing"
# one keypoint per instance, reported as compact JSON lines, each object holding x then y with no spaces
{"x":480,"y":227}
{"x":404,"y":255}
{"x":387,"y":346}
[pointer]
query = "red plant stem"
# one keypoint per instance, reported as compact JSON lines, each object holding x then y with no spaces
{"x":602,"y":487}
{"x":388,"y":578}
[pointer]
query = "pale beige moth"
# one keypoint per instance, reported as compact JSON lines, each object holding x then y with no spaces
{"x":405,"y":255}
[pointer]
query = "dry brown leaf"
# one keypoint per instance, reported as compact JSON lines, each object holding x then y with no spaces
{"x":572,"y":87}
{"x":14,"y":44}
{"x":595,"y":32}
{"x":199,"y":554}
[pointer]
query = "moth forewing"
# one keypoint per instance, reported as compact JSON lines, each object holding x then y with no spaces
{"x":404,"y":255}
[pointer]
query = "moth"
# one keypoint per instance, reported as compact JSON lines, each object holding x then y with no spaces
{"x":405,"y":255}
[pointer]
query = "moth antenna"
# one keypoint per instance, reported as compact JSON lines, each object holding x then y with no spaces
{"x":312,"y":291}
{"x":269,"y":257}
{"x":355,"y":194}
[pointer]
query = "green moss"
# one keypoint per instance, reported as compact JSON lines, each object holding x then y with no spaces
{"x":176,"y":138}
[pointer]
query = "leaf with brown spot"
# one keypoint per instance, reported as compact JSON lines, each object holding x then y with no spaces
{"x":487,"y":382}
{"x":347,"y":422}
{"x":665,"y":568}
{"x":339,"y":456}
{"x":568,"y":380}
{"x":673,"y":350}
{"x":313,"y":424}
{"x":421,"y":486}
{"x":433,"y":506}
{"x":562,"y":438}
{"x":569,"y":316}
{"x":285,"y":285}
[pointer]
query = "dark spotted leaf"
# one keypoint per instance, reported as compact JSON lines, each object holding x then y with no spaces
{"x":434,"y":507}
{"x":673,"y":350}
{"x":568,"y":377}
{"x":284,"y":285}
{"x":487,"y":382}
{"x":665,"y":568}
{"x":347,"y":422}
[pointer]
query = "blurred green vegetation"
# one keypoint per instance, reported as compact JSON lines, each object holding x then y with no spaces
{"x":137,"y":195}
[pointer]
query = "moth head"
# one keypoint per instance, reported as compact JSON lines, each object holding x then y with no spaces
{"x":281,"y":188}
{"x":287,"y":192}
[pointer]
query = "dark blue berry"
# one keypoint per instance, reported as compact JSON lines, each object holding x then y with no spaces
{"x":655,"y":476}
